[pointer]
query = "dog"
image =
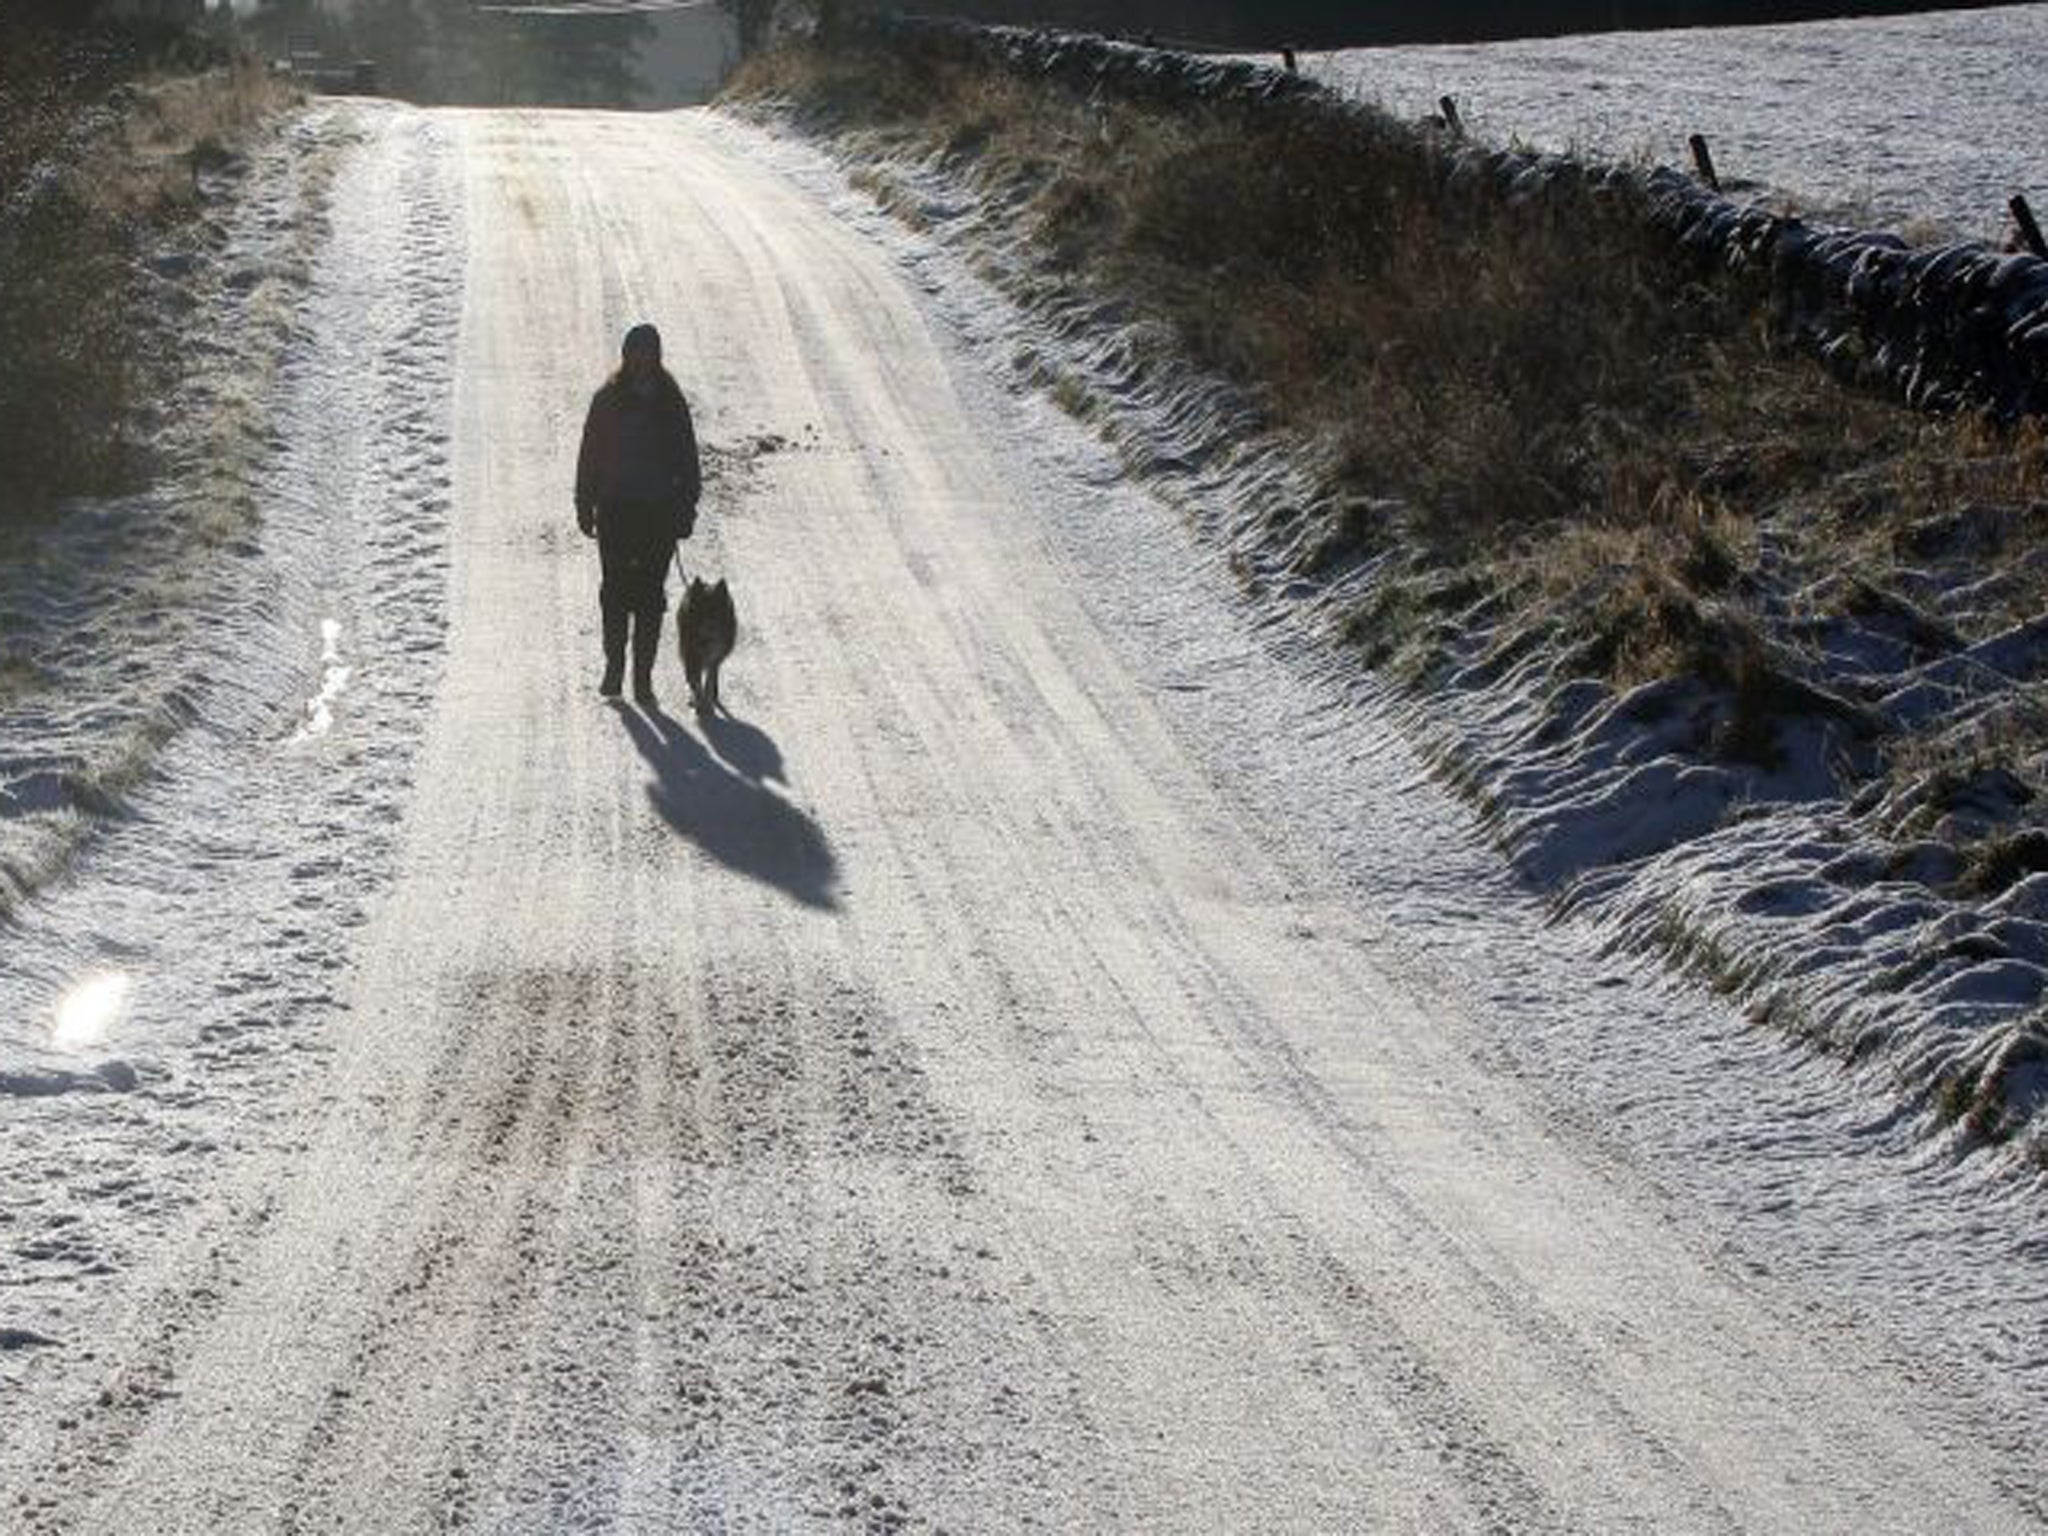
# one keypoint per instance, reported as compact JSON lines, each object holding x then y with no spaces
{"x":706,"y":628}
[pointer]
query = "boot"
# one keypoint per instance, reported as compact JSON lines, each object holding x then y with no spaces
{"x":646,"y":645}
{"x":614,"y":654}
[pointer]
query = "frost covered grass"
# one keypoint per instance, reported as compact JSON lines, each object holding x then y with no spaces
{"x":104,"y":141}
{"x":1462,"y":355}
{"x":153,"y":245}
{"x":1742,"y":660}
{"x":1532,"y":382}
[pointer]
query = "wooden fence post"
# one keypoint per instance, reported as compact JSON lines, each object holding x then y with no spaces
{"x":1703,"y":161}
{"x":1287,"y":59}
{"x":1448,"y":105}
{"x":2030,"y":232}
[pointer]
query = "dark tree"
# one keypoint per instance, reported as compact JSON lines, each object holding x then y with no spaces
{"x":753,"y":18}
{"x":39,"y":15}
{"x":276,"y":23}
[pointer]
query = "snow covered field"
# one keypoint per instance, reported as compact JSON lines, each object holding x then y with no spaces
{"x":1870,"y":121}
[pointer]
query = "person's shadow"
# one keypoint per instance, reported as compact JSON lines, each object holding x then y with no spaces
{"x":719,"y":803}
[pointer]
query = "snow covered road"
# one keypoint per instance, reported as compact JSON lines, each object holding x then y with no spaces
{"x":926,"y":1098}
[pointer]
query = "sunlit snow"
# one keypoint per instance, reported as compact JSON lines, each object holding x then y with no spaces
{"x":1874,"y":120}
{"x":333,"y":683}
{"x":89,"y":1010}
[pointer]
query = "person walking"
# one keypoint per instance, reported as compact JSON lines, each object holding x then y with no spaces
{"x":637,"y":484}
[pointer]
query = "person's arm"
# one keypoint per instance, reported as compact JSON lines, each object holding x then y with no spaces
{"x":587,"y":456}
{"x":689,"y":473}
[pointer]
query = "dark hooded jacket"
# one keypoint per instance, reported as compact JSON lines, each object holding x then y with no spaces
{"x":639,"y":449}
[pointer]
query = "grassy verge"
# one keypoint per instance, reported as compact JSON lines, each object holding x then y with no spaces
{"x":1541,"y":412}
{"x":102,"y":141}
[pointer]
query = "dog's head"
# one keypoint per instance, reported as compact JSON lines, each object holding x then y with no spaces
{"x":707,"y":611}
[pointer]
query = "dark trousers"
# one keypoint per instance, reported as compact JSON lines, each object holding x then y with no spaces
{"x":635,"y":541}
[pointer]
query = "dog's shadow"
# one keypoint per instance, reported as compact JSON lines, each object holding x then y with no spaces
{"x":746,"y":749}
{"x":718,"y":803}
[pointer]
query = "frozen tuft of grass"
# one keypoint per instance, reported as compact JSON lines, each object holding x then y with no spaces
{"x":104,"y":141}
